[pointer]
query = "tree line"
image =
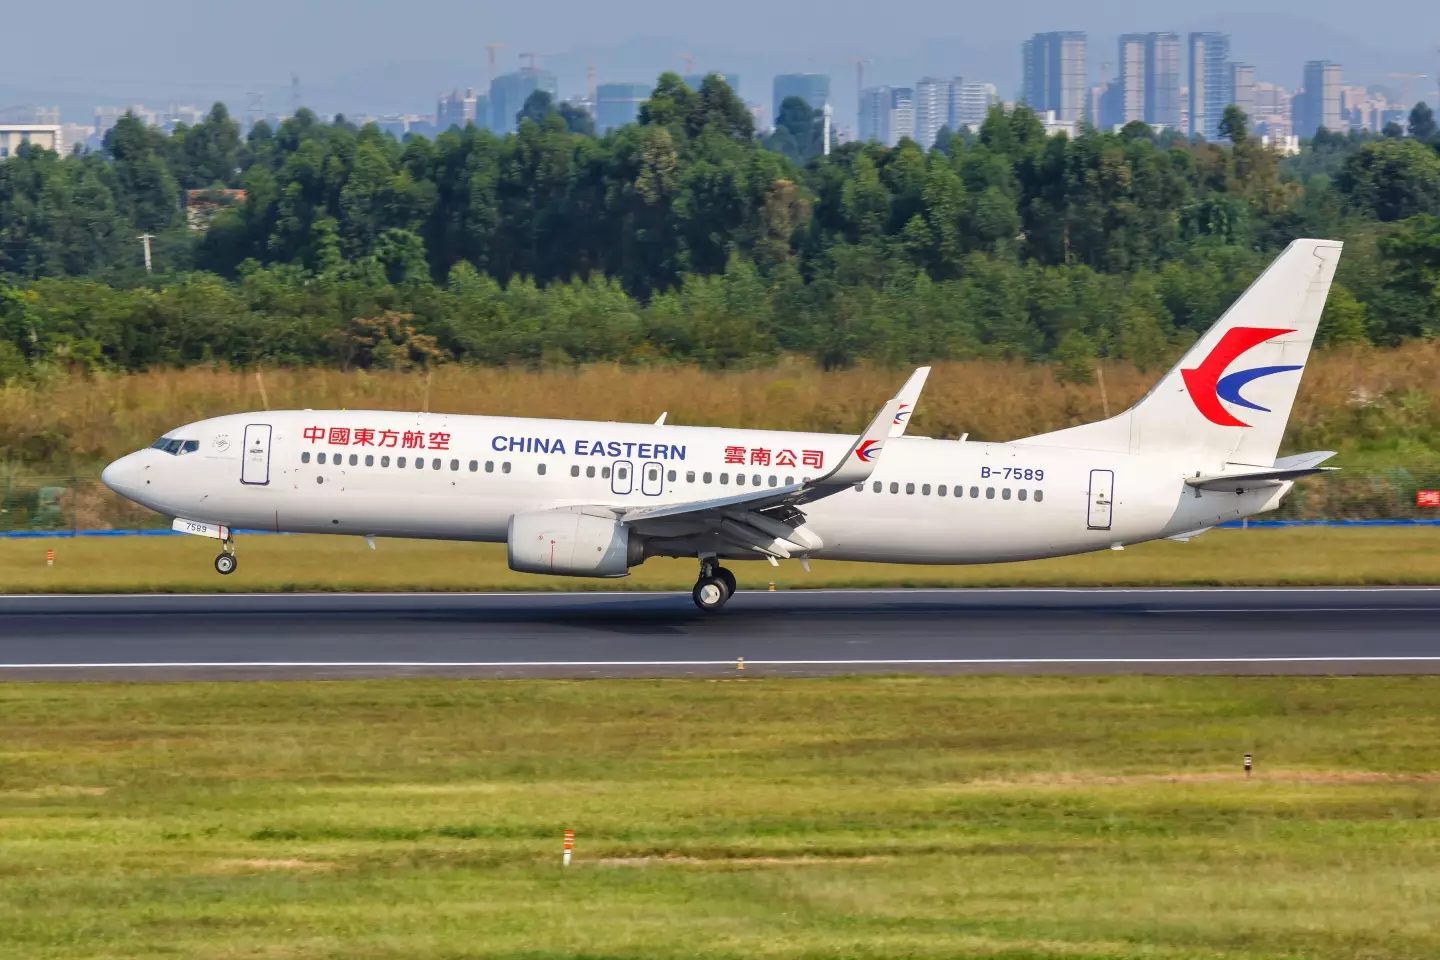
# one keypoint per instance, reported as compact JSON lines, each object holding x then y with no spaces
{"x":687,"y":237}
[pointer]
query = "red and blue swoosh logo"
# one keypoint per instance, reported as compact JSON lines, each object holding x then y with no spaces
{"x":869,"y":450}
{"x":1209,"y":384}
{"x":902,"y":414}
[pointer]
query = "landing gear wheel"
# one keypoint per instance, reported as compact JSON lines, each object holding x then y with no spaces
{"x":710,"y":593}
{"x":226,"y":563}
{"x":729,"y":579}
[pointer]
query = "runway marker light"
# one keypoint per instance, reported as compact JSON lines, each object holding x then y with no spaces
{"x":1249,"y":761}
{"x":772,"y":586}
{"x":569,"y":846}
{"x":50,"y":557}
{"x":739,"y":663}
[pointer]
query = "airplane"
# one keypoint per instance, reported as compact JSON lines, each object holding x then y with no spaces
{"x":589,"y":499}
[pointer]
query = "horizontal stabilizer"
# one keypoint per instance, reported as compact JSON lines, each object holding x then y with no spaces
{"x":1250,"y":477}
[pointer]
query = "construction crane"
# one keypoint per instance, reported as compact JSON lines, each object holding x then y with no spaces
{"x":1406,"y":78}
{"x":490,"y":49}
{"x":689,"y":59}
{"x":532,"y":56}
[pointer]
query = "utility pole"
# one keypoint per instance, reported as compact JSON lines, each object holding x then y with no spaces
{"x":826,"y":134}
{"x":294,"y":93}
{"x":145,"y":238}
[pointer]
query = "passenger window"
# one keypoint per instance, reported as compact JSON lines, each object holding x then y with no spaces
{"x":604,"y":473}
{"x":1039,"y":495}
{"x":420,"y":463}
{"x":739,"y":479}
{"x":369,"y":459}
{"x":689,"y":476}
{"x":789,"y":481}
{"x":989,"y":493}
{"x":305,"y":457}
{"x":910,"y":488}
{"x":505,"y":467}
{"x":725,"y":478}
{"x":755,"y":480}
{"x":878,"y":486}
{"x":1020,"y":494}
{"x":707,"y":478}
{"x":540,"y":469}
{"x":384,"y":461}
{"x":671,"y":478}
{"x":774,"y":481}
{"x":435,"y":464}
{"x":575,"y":470}
{"x":354,"y":459}
{"x":400,"y":462}
{"x":622,"y":472}
{"x":860,"y":487}
{"x":940,"y":491}
{"x":320,"y":457}
{"x":925,"y":490}
{"x":894,"y":487}
{"x":974,"y":493}
{"x":474,"y":466}
{"x":654,"y":474}
{"x":1005,"y":494}
{"x":454,"y":464}
{"x":489,"y":466}
{"x":589,"y":471}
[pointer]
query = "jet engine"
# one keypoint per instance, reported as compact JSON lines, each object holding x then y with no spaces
{"x":572,"y":544}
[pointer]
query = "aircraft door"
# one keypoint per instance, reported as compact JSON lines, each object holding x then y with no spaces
{"x":622,"y":479}
{"x":255,"y":468}
{"x":652,"y":479}
{"x":1102,"y":495}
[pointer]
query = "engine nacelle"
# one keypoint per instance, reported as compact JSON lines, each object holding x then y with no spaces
{"x":572,"y":545}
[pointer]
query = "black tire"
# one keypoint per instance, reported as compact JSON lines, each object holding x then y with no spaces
{"x":729,"y":579}
{"x":710,"y":594}
{"x":226,"y":563}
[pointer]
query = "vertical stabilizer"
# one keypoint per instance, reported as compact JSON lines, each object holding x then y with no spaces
{"x":1230,"y":396}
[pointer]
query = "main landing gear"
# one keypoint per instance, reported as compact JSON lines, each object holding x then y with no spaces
{"x":715,"y":586}
{"x":226,"y":562}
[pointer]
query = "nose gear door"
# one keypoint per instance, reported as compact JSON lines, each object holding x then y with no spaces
{"x":255,"y":467}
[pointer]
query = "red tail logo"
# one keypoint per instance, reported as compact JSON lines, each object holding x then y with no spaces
{"x":1208,"y":385}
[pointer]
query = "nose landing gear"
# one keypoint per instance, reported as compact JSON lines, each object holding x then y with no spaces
{"x":715,"y":586}
{"x":226,"y":562}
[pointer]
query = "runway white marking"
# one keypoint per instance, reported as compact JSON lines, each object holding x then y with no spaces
{"x":530,"y":664}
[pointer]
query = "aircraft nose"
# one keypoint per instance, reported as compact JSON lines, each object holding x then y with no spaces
{"x":120,"y":476}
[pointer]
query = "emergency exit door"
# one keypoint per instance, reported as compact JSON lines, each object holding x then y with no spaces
{"x":255,"y":468}
{"x":1102,"y":496}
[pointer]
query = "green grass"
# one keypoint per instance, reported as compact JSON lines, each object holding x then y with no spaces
{"x":1014,"y":817}
{"x":1361,"y":555}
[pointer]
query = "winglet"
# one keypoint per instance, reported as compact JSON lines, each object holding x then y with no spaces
{"x":660,"y":421}
{"x":909,"y":397}
{"x":859,"y":462}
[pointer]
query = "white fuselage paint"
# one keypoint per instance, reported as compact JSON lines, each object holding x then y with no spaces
{"x":1149,"y":498}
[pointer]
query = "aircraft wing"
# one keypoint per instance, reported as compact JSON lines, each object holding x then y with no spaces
{"x":768,"y":521}
{"x":909,"y":397}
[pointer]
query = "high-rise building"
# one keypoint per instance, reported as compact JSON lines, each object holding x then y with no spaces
{"x":971,"y":102}
{"x":1162,"y":80}
{"x":887,"y":114}
{"x":813,"y":88}
{"x":902,"y":115}
{"x":510,"y":91}
{"x":1318,"y":106}
{"x":456,"y":109}
{"x":1053,"y":66}
{"x":932,"y":109}
{"x":1242,"y":85}
{"x":1128,"y":102}
{"x":1211,"y":82}
{"x":617,"y":104}
{"x":46,"y":136}
{"x":1274,"y":107}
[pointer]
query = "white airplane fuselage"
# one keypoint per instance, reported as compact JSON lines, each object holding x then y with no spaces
{"x":928,"y":501}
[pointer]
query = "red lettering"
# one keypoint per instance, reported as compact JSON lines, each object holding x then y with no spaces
{"x":439,"y":441}
{"x":412,"y":440}
{"x":734,"y":454}
{"x":388,"y":438}
{"x":314,"y":434}
{"x":340,"y":436}
{"x":364,"y":437}
{"x":813,"y":458}
{"x":760,"y":457}
{"x":785,"y":458}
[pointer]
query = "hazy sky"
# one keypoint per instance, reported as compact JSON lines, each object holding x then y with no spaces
{"x":351,"y":54}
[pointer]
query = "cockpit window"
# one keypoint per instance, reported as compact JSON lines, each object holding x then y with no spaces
{"x":175,"y":446}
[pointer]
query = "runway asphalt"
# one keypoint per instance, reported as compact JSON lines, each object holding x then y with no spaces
{"x":282,"y":636}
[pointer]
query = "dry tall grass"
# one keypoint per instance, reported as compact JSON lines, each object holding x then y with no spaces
{"x":1362,"y":397}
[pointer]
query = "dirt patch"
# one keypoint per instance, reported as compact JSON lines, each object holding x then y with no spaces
{"x":289,"y":864}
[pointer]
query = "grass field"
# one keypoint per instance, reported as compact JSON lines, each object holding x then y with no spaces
{"x":941,"y":817}
{"x":1360,"y":555}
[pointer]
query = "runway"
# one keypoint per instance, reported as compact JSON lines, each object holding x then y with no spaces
{"x":291,"y":636}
